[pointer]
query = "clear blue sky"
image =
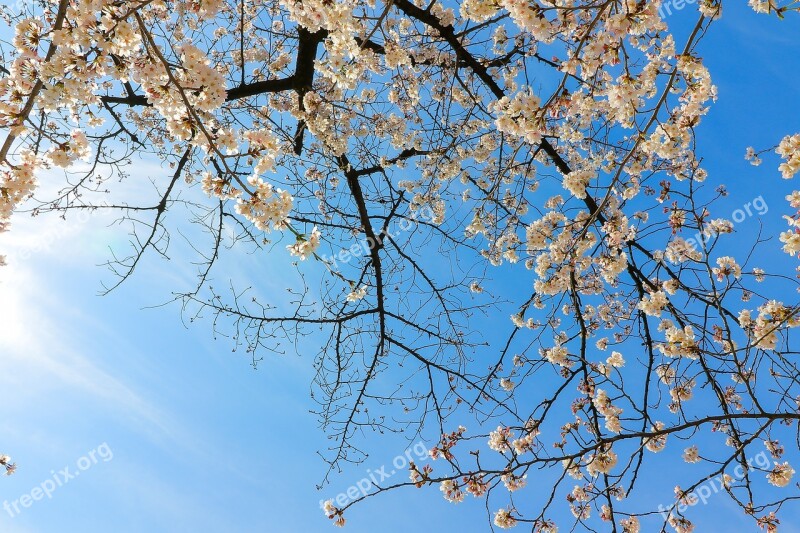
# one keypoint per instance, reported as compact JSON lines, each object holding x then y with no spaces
{"x":203,"y":442}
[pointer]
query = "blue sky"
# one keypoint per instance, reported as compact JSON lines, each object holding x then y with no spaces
{"x":203,"y":442}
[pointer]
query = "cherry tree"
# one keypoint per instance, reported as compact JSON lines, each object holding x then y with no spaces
{"x":407,"y":156}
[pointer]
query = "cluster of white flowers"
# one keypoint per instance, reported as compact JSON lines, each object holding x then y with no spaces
{"x":16,"y":185}
{"x":5,"y":461}
{"x":475,"y":287}
{"x":500,"y":439}
{"x":572,"y":468}
{"x":367,"y":96}
{"x":504,"y":520}
{"x":774,"y":448}
{"x":305,"y":247}
{"x":657,"y":443}
{"x":357,"y":294}
{"x":581,"y":495}
{"x":752,"y":156}
{"x":666,"y":374}
{"x":630,"y":524}
{"x":512,"y":482}
{"x":789,"y":149}
{"x":772,"y":317}
{"x":345,"y":61}
{"x":476,"y":486}
{"x":520,"y":116}
{"x":681,"y":342}
{"x":529,"y":17}
{"x":691,"y":455}
{"x":625,"y":98}
{"x":681,"y":250}
{"x":781,"y":474}
{"x":653,"y":304}
{"x":185,"y":96}
{"x":601,"y":462}
{"x":395,"y":55}
{"x":478,"y":10}
{"x":526,"y":442}
{"x":683,"y":392}
{"x":217,"y":187}
{"x":507,"y":384}
{"x":332,"y":512}
{"x":205,"y":84}
{"x":727,"y":266}
{"x":615,"y":360}
{"x":266,"y":207}
{"x":263,"y":145}
{"x":606,"y":409}
{"x":761,"y":6}
{"x":540,"y":231}
{"x":557,"y":355}
{"x":451,"y":491}
{"x":63,"y":155}
{"x":681,"y":524}
{"x":577,"y":181}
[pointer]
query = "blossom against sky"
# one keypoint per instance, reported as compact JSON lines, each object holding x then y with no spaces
{"x":202,"y":441}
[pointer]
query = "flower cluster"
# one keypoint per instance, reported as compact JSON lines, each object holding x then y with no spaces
{"x":10,"y":467}
{"x":341,"y":114}
{"x":305,"y":247}
{"x":789,"y":149}
{"x":334,"y":514}
{"x":504,"y":520}
{"x":266,"y":207}
{"x":781,"y":475}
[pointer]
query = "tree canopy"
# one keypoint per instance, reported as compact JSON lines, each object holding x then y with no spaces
{"x":411,"y":156}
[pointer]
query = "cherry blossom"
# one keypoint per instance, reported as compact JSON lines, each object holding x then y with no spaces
{"x":434,"y":166}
